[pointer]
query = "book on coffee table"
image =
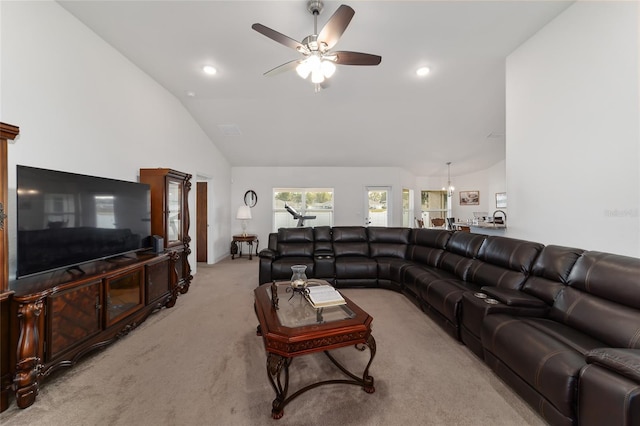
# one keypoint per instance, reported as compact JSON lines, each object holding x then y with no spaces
{"x":324,"y":295}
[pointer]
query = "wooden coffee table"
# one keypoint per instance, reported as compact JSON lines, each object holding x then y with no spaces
{"x":291,"y":327}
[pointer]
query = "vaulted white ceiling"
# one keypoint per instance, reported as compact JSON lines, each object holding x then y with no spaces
{"x":369,"y":116}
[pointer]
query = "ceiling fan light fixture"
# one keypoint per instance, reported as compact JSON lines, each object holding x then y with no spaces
{"x":319,"y":61}
{"x":317,"y":67}
{"x":328,"y":68}
{"x":303,"y":69}
{"x":317,"y":76}
{"x":314,"y":62}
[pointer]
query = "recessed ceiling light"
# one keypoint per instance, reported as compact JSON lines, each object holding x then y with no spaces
{"x":423,"y":71}
{"x":190,"y":94}
{"x":208,"y":69}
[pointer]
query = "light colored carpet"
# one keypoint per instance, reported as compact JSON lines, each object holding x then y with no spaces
{"x":201,"y":363}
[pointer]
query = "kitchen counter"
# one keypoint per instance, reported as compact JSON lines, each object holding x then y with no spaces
{"x":485,"y":228}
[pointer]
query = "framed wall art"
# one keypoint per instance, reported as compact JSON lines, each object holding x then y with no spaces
{"x":469,"y":198}
{"x":501,"y":200}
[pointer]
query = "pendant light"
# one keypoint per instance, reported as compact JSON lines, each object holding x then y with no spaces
{"x":449,"y":187}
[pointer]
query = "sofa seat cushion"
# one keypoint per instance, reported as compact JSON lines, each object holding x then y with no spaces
{"x":545,"y":354}
{"x":415,"y":275}
{"x":445,"y":296}
{"x":356,"y":267}
{"x":391,"y":268}
{"x":281,"y":268}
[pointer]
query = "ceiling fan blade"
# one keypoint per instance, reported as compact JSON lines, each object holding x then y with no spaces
{"x":356,"y":58}
{"x":335,"y":26}
{"x":287,"y":66}
{"x":279,"y":37}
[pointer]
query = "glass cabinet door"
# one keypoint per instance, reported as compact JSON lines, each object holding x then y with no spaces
{"x":174,"y":212}
{"x":124,"y":294}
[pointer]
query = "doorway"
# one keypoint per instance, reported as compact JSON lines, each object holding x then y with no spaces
{"x":201,"y":222}
{"x":377,"y":206}
{"x":434,"y":207}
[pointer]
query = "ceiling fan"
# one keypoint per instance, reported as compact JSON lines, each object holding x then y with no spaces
{"x":318,"y":60}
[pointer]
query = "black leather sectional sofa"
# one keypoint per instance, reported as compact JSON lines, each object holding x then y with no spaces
{"x":560,"y":325}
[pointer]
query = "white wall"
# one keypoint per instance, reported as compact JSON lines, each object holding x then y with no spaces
{"x":349,"y":188}
{"x":82,"y":107}
{"x":349,"y":185}
{"x":573,"y":137}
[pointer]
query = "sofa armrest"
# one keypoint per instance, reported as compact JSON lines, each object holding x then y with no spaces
{"x":625,"y":362}
{"x":267,"y":254}
{"x":513,"y":297}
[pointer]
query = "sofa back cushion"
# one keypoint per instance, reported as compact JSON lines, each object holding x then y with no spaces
{"x":503,"y":262}
{"x":602,"y":299}
{"x":550,"y":272}
{"x":388,"y":242}
{"x":465,"y":244}
{"x":609,"y":276}
{"x":427,"y":245}
{"x":295,"y":242}
{"x":350,"y":241}
{"x":322,"y":239}
{"x":460,"y":252}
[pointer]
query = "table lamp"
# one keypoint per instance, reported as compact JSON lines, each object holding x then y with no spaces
{"x":244,"y":214}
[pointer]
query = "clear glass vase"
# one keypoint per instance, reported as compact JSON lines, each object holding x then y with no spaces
{"x":299,"y":278}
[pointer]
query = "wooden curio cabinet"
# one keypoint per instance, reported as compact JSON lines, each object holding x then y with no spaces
{"x":7,"y":133}
{"x":170,"y":217}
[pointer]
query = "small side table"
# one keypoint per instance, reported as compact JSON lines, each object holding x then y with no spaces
{"x":247,"y":239}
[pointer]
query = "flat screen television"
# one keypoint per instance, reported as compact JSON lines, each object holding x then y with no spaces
{"x":67,"y":219}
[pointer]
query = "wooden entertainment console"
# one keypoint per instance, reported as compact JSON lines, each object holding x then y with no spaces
{"x":65,"y":314}
{"x":50,"y":320}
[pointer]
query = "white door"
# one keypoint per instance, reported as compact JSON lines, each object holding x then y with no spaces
{"x":377,"y":206}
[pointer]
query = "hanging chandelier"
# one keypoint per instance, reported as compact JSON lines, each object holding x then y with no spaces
{"x":449,"y":187}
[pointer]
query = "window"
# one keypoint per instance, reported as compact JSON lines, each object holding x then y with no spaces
{"x":59,"y":210}
{"x":316,"y":202}
{"x":407,"y":207}
{"x":105,"y":212}
{"x":433,"y":204}
{"x":378,"y":205}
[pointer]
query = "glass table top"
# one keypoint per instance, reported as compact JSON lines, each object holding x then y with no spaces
{"x":294,"y":310}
